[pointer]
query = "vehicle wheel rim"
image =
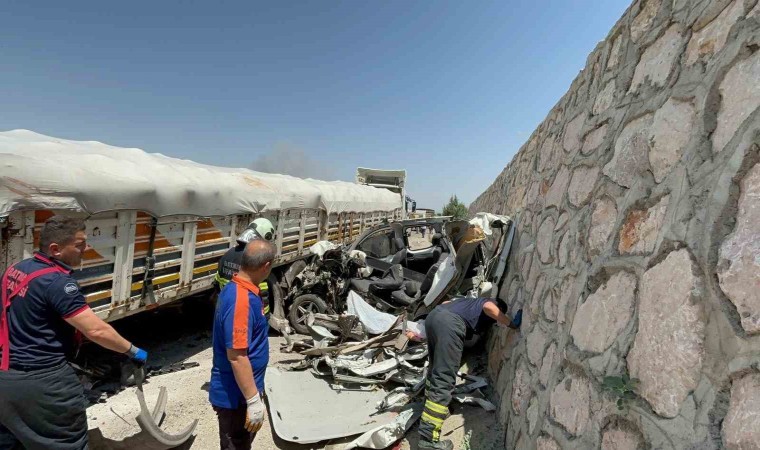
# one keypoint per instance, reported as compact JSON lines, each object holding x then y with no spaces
{"x":303,"y":311}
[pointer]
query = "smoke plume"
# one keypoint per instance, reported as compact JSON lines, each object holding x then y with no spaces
{"x":290,"y":160}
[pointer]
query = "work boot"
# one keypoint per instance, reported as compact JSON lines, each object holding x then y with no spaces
{"x":440,"y":445}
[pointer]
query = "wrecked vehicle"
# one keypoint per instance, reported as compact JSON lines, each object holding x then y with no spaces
{"x":322,"y":285}
{"x":406,"y":275}
{"x":371,"y":385}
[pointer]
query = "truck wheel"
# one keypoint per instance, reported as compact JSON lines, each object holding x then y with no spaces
{"x":300,"y":309}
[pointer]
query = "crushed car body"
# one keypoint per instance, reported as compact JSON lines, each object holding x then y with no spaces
{"x":397,"y":272}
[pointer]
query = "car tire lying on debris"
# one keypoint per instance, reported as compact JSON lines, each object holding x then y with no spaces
{"x":300,"y":309}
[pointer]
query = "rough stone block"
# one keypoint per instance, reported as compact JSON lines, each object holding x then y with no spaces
{"x":602,"y":223}
{"x":547,"y":443}
{"x":539,"y":291}
{"x":594,"y":139}
{"x":740,"y":96}
{"x":604,"y":98}
{"x":672,"y":127}
{"x":536,"y":343}
{"x":571,"y":403}
{"x":572,"y":139}
{"x":521,"y":388}
{"x":618,"y":439}
{"x":640,"y":230}
{"x":535,"y":271}
{"x":605,"y":313}
{"x":711,"y":39}
{"x":548,"y":155}
{"x":544,"y":239}
{"x":644,"y":19}
{"x":631,"y":158}
{"x":582,"y":184}
{"x":550,"y":308}
{"x":531,"y":197}
{"x":657,"y":61}
{"x":739,"y":265}
{"x":567,"y":293}
{"x":532,"y":415}
{"x":668,"y":351}
{"x":755,"y":11}
{"x":563,"y":250}
{"x":562,"y":221}
{"x":559,"y":187}
{"x":614,"y":58}
{"x":546,"y":364}
{"x":525,"y":261}
{"x":741,"y":428}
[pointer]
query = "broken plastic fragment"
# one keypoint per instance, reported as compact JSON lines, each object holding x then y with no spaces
{"x":385,"y":435}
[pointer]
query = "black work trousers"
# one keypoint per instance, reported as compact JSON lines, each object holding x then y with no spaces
{"x":446,"y":333}
{"x":42,"y":409}
{"x":232,"y":432}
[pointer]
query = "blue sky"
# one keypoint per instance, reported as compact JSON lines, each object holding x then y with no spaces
{"x":448,"y":90}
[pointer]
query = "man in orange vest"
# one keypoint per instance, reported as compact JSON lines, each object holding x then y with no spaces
{"x":241,"y":350}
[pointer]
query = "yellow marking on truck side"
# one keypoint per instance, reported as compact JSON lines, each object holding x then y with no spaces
{"x":205,"y":268}
{"x":97,"y":296}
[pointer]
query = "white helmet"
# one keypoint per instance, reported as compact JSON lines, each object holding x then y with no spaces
{"x":258,"y":229}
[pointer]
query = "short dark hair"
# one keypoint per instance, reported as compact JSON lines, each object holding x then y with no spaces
{"x":257,"y":253}
{"x":60,"y":230}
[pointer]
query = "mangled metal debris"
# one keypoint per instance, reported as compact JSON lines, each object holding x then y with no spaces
{"x":340,"y":413}
{"x":478,"y":401}
{"x":385,"y":435}
{"x":354,"y":383}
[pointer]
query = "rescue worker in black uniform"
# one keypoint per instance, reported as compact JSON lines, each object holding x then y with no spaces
{"x":229,"y":264}
{"x":447,"y":327}
{"x":42,"y":403}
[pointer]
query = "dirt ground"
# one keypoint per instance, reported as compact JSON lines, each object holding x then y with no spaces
{"x":181,"y":334}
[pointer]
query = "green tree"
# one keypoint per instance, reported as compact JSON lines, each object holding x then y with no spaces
{"x":455,"y":208}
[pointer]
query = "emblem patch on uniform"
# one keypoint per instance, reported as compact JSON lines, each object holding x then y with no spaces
{"x":71,"y":288}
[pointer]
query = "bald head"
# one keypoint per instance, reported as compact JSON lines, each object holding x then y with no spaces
{"x":257,"y":254}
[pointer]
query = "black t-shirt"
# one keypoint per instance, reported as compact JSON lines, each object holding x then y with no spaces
{"x":471,"y":311}
{"x":39,"y":336}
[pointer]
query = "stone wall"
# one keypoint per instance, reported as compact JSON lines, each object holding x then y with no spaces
{"x":638,"y":247}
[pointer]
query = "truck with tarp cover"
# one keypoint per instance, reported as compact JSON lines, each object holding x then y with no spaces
{"x":157,"y":225}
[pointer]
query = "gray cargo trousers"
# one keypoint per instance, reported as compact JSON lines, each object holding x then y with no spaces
{"x":446,"y":334}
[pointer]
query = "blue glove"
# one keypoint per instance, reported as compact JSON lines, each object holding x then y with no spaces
{"x":137,"y":355}
{"x":516,"y":320}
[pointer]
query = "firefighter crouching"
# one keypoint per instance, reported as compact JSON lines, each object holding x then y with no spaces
{"x":42,"y":401}
{"x":447,"y":327}
{"x":229,"y":265}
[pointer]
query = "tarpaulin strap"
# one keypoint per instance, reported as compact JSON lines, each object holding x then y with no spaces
{"x":6,"y":298}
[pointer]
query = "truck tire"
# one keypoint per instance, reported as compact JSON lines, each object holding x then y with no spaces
{"x":300,"y":309}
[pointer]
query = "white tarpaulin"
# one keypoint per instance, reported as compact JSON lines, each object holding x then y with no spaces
{"x":43,"y":172}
